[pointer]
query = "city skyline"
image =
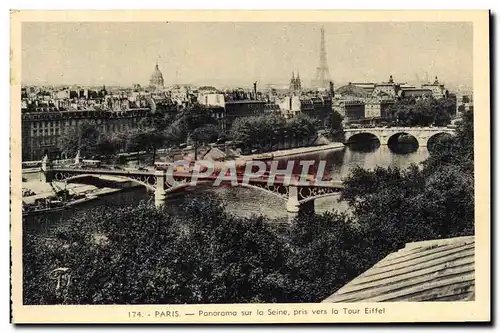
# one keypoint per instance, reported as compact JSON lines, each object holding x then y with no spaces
{"x":200,"y":53}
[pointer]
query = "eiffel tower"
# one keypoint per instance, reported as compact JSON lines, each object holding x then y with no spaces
{"x":322,"y":73}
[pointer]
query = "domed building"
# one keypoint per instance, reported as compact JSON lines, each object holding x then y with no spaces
{"x":156,"y":79}
{"x":351,"y":91}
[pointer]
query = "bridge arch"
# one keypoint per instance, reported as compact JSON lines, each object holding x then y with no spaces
{"x":149,"y":186}
{"x":431,"y":141}
{"x":280,"y":191}
{"x":422,"y":134}
{"x":354,"y":137}
{"x":408,"y":137}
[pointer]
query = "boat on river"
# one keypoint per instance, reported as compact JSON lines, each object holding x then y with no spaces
{"x":55,"y":204}
{"x":263,"y":157}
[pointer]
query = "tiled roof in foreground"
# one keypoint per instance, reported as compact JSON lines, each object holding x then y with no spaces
{"x":436,"y":270}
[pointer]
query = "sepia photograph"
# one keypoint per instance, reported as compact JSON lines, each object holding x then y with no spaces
{"x":236,"y":170}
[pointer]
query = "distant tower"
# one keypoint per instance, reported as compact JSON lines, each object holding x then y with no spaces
{"x":322,"y":72}
{"x":156,"y":79}
{"x":295,"y":84}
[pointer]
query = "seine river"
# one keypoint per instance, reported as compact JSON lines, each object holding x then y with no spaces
{"x":244,"y":201}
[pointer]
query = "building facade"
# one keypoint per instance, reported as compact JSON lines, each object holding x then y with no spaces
{"x":42,"y":129}
{"x":375,"y":109}
{"x":219,"y":114}
{"x":242,"y":108}
{"x":417,"y":93}
{"x":211,"y":99}
{"x":438,"y":89}
{"x":389,"y":88}
{"x":351,"y":110}
{"x":314,"y":106}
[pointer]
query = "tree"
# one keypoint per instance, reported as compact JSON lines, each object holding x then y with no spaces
{"x":442,"y":118}
{"x":423,"y":112}
{"x":109,"y":144}
{"x":174,"y":133}
{"x":192,"y":117}
{"x":334,"y":126}
{"x":195,"y":253}
{"x":156,"y":121}
{"x":148,"y":140}
{"x":260,"y":132}
{"x":457,"y":150}
{"x":275,"y":130}
{"x":326,"y":251}
{"x":84,"y":138}
{"x":301,"y":127}
{"x":242,"y":131}
{"x":196,"y":116}
{"x":205,"y":134}
{"x":263,"y":132}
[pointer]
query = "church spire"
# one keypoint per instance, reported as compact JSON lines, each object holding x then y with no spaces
{"x":158,"y":57}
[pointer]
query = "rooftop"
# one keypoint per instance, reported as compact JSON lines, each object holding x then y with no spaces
{"x":245,"y":101}
{"x":436,"y":270}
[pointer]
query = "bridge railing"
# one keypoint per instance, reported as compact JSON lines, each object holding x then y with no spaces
{"x":34,"y":164}
{"x":240,"y":177}
{"x":393,"y":128}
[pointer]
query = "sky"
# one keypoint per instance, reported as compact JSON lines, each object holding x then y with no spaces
{"x":227,"y":53}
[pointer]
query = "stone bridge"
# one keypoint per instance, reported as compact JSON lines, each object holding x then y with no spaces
{"x":384,"y":134}
{"x":298,"y":196}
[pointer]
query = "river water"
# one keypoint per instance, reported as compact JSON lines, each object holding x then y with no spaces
{"x":245,"y":202}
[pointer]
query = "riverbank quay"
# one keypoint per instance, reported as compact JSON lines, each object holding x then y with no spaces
{"x":295,"y":151}
{"x":220,"y":154}
{"x":44,"y":190}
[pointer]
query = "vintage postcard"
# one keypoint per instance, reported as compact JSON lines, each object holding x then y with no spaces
{"x":250,"y":166}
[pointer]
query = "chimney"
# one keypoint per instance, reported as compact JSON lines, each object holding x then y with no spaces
{"x":332,"y":91}
{"x":255,"y":89}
